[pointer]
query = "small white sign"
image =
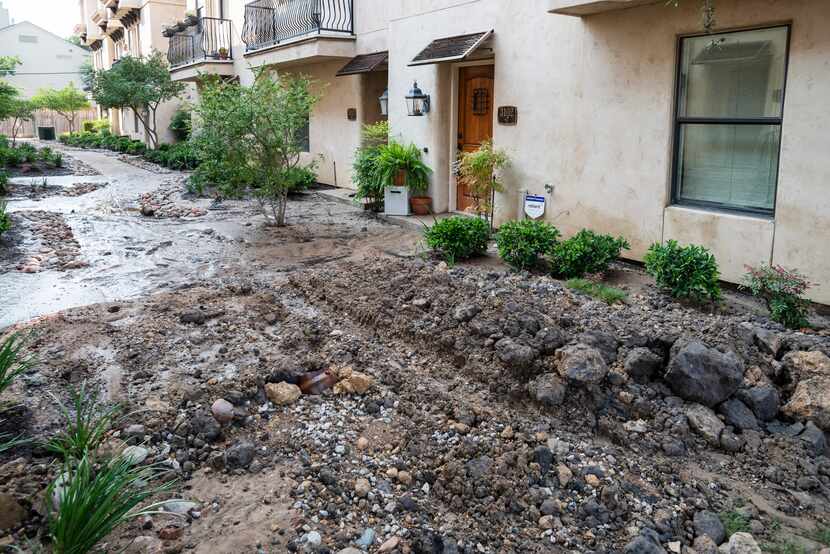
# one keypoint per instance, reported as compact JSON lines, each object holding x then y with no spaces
{"x":534,"y":206}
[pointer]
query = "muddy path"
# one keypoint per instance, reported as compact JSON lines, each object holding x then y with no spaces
{"x":122,"y":254}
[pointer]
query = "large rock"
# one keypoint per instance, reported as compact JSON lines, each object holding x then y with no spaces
{"x":704,"y":422}
{"x":548,"y":389}
{"x":642,"y":364}
{"x":647,"y":543}
{"x":581,"y":363}
{"x":768,"y":341}
{"x":605,"y":343}
{"x":811,"y":400}
{"x":763,"y":400}
{"x":709,"y":524}
{"x":203,"y":424}
{"x":282,"y":394}
{"x":222,"y":411}
{"x":515,"y":354}
{"x":803,"y":365}
{"x":240,"y":455}
{"x":814,"y":437}
{"x":738,"y":415}
{"x":12,"y":513}
{"x":740,"y":543}
{"x":702,"y":374}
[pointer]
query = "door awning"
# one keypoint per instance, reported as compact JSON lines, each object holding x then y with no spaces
{"x":451,"y":49}
{"x":365,"y":63}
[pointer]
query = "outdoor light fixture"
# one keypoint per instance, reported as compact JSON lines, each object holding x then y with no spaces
{"x":417,"y":103}
{"x":384,"y":103}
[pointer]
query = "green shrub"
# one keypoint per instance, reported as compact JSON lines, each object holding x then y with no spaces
{"x":4,"y":181}
{"x":4,"y":141}
{"x":684,"y":271}
{"x":783,"y":291}
{"x":5,"y":220}
{"x":87,"y":503}
{"x":609,"y":295}
{"x":85,"y":426}
{"x":88,"y":127}
{"x":458,"y":237}
{"x":365,"y":175}
{"x":181,"y":124}
{"x":13,"y":157}
{"x":734,"y":522}
{"x":586,"y":253}
{"x":13,"y":363}
{"x":136,"y":148}
{"x":521,"y":243}
{"x":303,"y":177}
{"x":179,"y":156}
{"x":28,"y":152}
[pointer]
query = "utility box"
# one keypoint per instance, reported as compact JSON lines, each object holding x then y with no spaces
{"x":396,"y":200}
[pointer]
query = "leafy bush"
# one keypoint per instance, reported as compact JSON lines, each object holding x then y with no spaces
{"x":4,"y":181}
{"x":28,"y":152}
{"x":609,"y":295}
{"x":458,"y":237}
{"x":478,"y":171}
{"x":181,"y":156}
{"x":85,"y":504}
{"x":5,"y":220}
{"x":136,"y":148}
{"x":783,"y":291}
{"x":365,"y":174}
{"x":684,"y":271}
{"x":586,"y":253}
{"x":303,"y":177}
{"x":181,"y":124}
{"x":521,"y":243}
{"x":85,"y":427}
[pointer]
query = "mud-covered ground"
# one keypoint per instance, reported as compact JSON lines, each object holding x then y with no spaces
{"x":478,"y":410}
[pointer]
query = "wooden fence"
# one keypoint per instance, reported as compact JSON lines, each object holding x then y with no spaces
{"x":47,"y":118}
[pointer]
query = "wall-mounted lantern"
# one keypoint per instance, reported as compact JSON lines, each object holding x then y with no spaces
{"x":384,"y":103}
{"x":417,"y":103}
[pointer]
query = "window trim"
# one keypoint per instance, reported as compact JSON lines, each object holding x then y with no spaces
{"x":678,"y":121}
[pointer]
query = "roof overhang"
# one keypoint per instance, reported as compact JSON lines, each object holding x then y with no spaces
{"x":581,"y":8}
{"x":451,"y":49}
{"x":114,"y":26}
{"x":365,"y":63}
{"x":99,"y":16}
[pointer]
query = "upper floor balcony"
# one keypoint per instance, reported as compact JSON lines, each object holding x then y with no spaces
{"x":271,"y":23}
{"x":584,"y":8}
{"x":206,"y":47}
{"x":120,"y":9}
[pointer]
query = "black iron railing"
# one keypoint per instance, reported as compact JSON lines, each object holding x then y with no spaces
{"x":270,"y":22}
{"x":210,"y":39}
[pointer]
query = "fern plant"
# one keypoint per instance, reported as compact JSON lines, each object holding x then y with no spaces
{"x":396,"y":159}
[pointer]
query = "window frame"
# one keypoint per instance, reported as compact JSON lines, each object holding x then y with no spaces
{"x":679,"y":121}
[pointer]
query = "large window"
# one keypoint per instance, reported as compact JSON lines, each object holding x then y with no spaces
{"x":730,"y":103}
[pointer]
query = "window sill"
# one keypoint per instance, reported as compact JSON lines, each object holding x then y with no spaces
{"x":720,"y":210}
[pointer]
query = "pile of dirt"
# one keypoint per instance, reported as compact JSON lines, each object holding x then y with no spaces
{"x":481,"y":411}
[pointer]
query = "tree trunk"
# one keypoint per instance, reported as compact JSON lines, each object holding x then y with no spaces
{"x":283,"y":201}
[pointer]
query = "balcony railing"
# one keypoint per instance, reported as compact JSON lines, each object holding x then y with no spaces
{"x":210,"y":39}
{"x":270,"y":22}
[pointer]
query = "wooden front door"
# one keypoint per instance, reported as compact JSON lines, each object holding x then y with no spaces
{"x":475,"y":118}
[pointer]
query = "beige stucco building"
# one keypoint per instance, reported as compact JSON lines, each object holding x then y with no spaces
{"x":117,"y":28}
{"x":623,"y":114}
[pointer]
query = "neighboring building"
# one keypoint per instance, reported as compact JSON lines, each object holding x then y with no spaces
{"x":5,"y":20}
{"x":47,"y":60}
{"x":629,"y":121}
{"x":114,"y":29}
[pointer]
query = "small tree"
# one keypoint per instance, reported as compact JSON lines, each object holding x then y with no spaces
{"x":141,"y":84}
{"x":66,"y":102}
{"x":256,"y":133}
{"x":21,"y":110}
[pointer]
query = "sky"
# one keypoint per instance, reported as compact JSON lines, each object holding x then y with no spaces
{"x":57,"y":16}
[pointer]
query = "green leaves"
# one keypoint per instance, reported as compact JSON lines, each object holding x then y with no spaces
{"x":782,"y":289}
{"x":478,"y":171}
{"x":458,"y":237}
{"x":586,"y":253}
{"x":85,"y":427}
{"x":522,"y":243}
{"x":396,"y":158}
{"x":685,"y":272}
{"x":12,"y":361}
{"x":66,"y":101}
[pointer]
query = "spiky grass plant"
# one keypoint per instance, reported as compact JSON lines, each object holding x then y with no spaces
{"x":609,"y":295}
{"x":86,"y":425}
{"x":12,"y":361}
{"x":87,"y":503}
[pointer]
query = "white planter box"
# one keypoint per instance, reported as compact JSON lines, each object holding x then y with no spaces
{"x":396,"y":201}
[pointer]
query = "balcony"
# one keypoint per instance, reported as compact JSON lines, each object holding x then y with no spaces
{"x":99,"y":17}
{"x":121,"y":9}
{"x":269,"y":23}
{"x":203,"y":48}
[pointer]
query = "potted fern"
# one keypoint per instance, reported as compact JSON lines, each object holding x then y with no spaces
{"x":405,"y":178}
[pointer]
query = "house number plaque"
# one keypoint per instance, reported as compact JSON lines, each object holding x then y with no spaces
{"x":508,"y":115}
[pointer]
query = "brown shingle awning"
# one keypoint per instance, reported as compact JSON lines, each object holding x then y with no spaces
{"x":365,"y":63}
{"x":451,"y":49}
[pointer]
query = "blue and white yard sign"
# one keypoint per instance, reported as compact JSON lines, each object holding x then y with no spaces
{"x":534,"y":206}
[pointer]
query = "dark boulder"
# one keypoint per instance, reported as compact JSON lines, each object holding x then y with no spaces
{"x":642,"y":364}
{"x":709,"y":524}
{"x":705,"y":375}
{"x":515,"y":354}
{"x":605,"y":343}
{"x":738,"y":415}
{"x":582,"y":364}
{"x":763,"y":400}
{"x":548,"y":389}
